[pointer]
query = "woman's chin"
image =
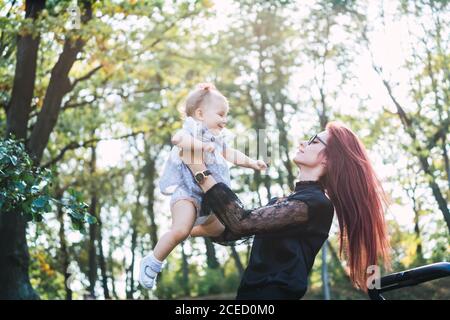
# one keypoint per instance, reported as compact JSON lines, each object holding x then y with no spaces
{"x":297,"y":160}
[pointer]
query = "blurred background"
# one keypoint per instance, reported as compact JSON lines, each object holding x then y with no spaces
{"x":94,"y":89}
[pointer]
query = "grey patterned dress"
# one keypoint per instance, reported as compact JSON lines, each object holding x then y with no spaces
{"x":178,"y":181}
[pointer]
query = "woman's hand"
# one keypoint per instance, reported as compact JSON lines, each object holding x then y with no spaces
{"x":195,"y":162}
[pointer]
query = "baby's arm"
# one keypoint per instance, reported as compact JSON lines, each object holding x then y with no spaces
{"x":186,"y":141}
{"x":238,"y":158}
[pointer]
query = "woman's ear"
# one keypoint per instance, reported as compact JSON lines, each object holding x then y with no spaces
{"x":322,"y":157}
{"x":323,"y":160}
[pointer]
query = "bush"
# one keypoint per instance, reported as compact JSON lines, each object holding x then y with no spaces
{"x":26,"y":188}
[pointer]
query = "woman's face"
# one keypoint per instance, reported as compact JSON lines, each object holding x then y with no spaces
{"x":309,"y":154}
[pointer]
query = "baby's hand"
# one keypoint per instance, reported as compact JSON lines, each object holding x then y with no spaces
{"x":209,"y":147}
{"x":259,"y":165}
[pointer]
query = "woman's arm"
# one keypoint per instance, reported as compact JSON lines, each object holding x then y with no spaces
{"x":195,"y":163}
{"x":240,"y":222}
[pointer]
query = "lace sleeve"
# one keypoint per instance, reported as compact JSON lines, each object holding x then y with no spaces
{"x":239,"y":222}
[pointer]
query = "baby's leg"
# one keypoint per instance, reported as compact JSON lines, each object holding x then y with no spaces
{"x":183,"y":218}
{"x":211,"y":228}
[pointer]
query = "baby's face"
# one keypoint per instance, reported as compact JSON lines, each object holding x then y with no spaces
{"x":215,"y":116}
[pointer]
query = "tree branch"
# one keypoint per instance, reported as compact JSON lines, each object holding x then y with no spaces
{"x":400,"y":111}
{"x":85,"y":77}
{"x":75,"y":145}
{"x":146,"y":90}
{"x":440,"y":133}
{"x":161,"y":38}
{"x":2,"y":47}
{"x":73,"y":105}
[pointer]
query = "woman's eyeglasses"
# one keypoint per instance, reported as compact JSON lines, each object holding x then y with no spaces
{"x":311,"y":140}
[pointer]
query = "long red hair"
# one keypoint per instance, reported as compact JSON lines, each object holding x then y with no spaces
{"x":359,"y":201}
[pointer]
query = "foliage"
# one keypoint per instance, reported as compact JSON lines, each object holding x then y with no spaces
{"x":25,"y":188}
{"x":44,"y":276}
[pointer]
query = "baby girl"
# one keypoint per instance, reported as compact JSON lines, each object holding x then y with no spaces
{"x":206,"y":112}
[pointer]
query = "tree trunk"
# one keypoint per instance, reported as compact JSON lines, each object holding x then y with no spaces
{"x":211,"y":259}
{"x":64,"y":252}
{"x":14,"y":256}
{"x":130,"y":276}
{"x":185,"y":269}
{"x":446,"y":160}
{"x":92,"y":273}
{"x":325,"y":281}
{"x":102,"y":261}
{"x":150,"y":175}
{"x":110,"y":266}
{"x":336,"y":257}
{"x":19,"y":107}
{"x":237,"y":260}
{"x":418,"y":239}
{"x":416,"y":208}
{"x":58,"y":86}
{"x":442,"y":203}
{"x":248,"y":251}
{"x":284,"y":143}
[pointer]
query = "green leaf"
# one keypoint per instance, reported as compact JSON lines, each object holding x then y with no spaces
{"x":28,"y":216}
{"x":40,"y":202}
{"x":47,"y":207}
{"x":34,"y":189}
{"x":90,"y":219}
{"x":21,"y":185}
{"x":74,"y":214}
{"x":13,"y":160}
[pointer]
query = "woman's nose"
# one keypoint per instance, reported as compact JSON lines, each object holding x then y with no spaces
{"x":301,"y":145}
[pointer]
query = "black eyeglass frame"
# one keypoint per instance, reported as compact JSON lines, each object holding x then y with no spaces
{"x":314,"y":137}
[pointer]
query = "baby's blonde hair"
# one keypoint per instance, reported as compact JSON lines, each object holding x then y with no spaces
{"x":202,"y":93}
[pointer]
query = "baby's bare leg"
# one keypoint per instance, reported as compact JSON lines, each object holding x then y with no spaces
{"x":211,"y":228}
{"x":183,"y":218}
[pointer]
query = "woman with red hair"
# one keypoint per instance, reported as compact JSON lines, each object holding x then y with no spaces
{"x":335,"y":176}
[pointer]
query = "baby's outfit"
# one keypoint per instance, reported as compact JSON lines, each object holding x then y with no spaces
{"x":177,"y":179}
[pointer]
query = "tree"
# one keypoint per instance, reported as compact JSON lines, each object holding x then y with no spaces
{"x":59,"y":86}
{"x":25,"y":196}
{"x":427,"y":124}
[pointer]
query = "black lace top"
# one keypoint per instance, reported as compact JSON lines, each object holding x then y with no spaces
{"x":289,"y":233}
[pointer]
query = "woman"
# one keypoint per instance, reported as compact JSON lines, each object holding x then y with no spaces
{"x":290,"y":231}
